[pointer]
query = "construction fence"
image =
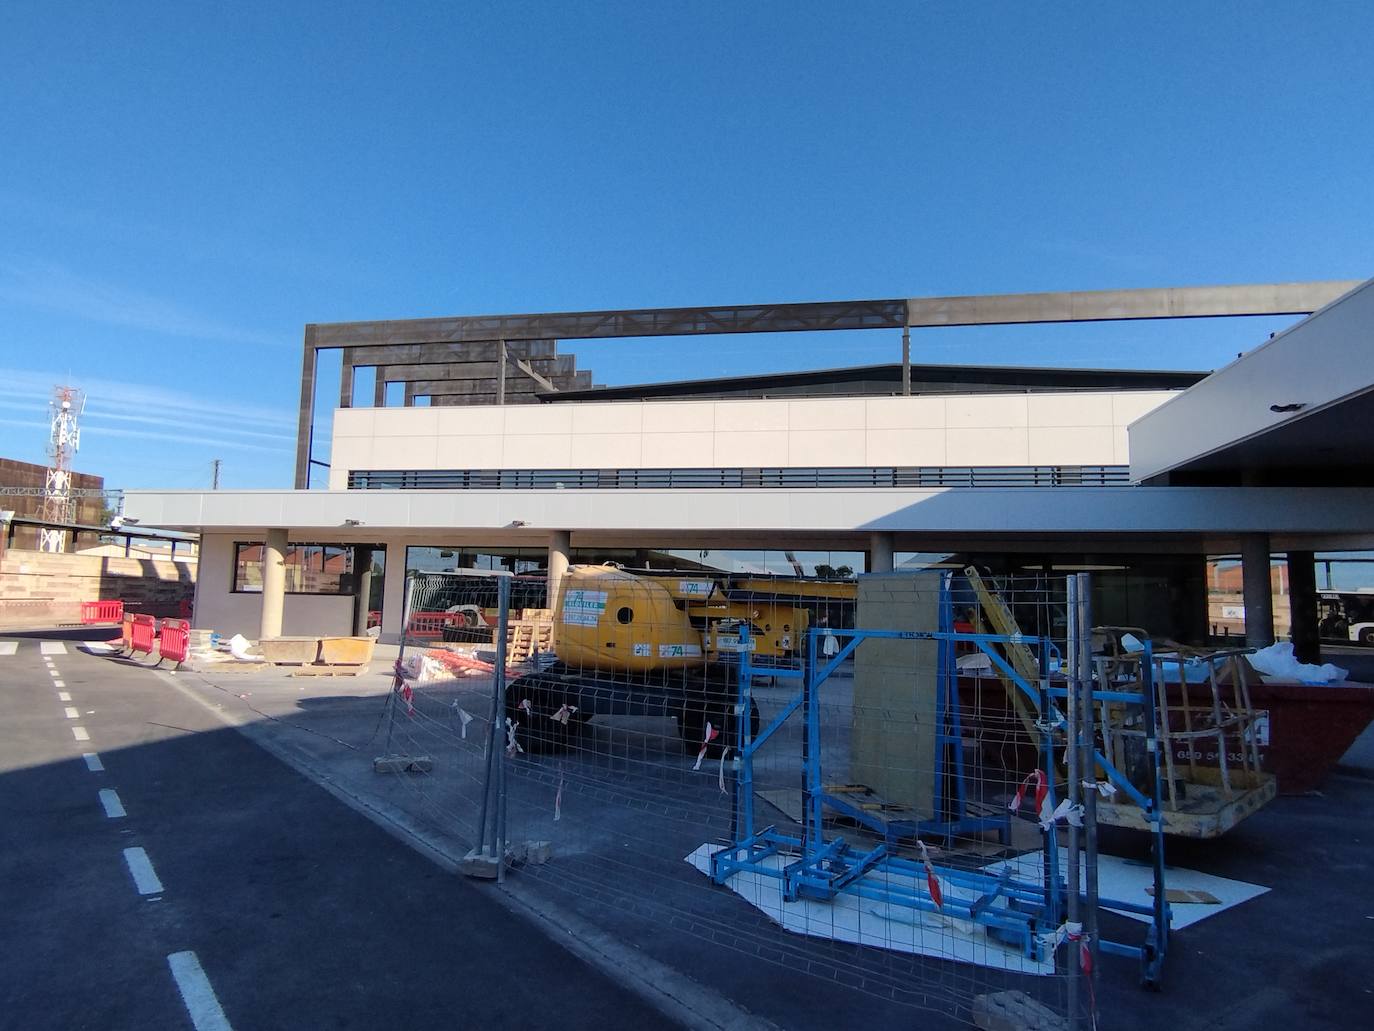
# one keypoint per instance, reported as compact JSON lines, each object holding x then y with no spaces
{"x":883,"y":786}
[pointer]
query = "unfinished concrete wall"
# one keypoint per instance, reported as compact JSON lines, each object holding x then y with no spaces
{"x":893,"y":740}
{"x":41,"y":589}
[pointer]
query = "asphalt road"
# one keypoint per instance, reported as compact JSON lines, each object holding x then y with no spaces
{"x":263,"y":902}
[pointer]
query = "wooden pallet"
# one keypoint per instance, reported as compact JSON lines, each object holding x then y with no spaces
{"x":525,"y":637}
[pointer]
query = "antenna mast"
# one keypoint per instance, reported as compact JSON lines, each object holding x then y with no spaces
{"x":64,"y":438}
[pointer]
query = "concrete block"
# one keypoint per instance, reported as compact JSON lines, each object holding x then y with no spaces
{"x":479,"y":864}
{"x":402,"y":764}
{"x":1015,"y":1011}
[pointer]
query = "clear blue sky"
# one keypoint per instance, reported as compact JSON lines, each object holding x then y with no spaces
{"x":183,"y":187}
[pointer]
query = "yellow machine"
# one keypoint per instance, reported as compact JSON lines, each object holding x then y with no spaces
{"x":630,"y":643}
{"x":609,"y":619}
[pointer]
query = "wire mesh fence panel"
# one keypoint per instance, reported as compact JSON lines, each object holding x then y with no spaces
{"x":442,"y":717}
{"x":859,"y":781}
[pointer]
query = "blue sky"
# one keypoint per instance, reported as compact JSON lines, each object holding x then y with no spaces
{"x":184,"y":186}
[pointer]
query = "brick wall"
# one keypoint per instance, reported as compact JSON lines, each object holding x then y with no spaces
{"x":38,"y":589}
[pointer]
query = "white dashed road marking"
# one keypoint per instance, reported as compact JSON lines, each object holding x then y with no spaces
{"x":53,"y":648}
{"x":114,"y":808}
{"x":72,"y":714}
{"x":93,"y":762}
{"x":80,"y":734}
{"x":141,"y":869}
{"x":196,"y":993}
{"x":53,"y":673}
{"x":8,"y":647}
{"x":59,"y":683}
{"x":63,"y":696}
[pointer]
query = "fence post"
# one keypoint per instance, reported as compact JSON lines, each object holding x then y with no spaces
{"x":502,"y":629}
{"x":1074,"y":793}
{"x":1084,"y":671}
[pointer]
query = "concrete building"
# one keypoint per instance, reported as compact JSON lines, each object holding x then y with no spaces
{"x":1138,"y":475}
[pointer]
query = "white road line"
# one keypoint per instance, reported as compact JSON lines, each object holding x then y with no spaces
{"x":141,"y":869}
{"x":63,"y":696}
{"x":8,"y":647}
{"x":47,"y":662}
{"x":59,"y":683}
{"x":80,"y":734}
{"x":53,"y":648}
{"x":196,"y":993}
{"x":72,"y":714}
{"x":53,"y":673}
{"x":93,"y":762}
{"x":114,"y":808}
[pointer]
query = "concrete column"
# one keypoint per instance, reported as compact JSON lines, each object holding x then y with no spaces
{"x":880,"y":553}
{"x":1302,"y":606}
{"x":1259,"y":601}
{"x":393,"y":592}
{"x":560,"y":543}
{"x":273,"y":583}
{"x":362,"y":587}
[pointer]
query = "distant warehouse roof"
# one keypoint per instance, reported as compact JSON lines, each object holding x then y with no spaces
{"x":887,"y":379}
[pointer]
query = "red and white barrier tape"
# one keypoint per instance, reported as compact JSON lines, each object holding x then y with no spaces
{"x":932,"y":882}
{"x":711,"y":734}
{"x":1042,"y":789}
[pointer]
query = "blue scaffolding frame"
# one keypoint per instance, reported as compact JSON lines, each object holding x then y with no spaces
{"x":1022,"y":912}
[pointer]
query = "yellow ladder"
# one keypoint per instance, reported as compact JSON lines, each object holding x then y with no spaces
{"x":1021,"y":658}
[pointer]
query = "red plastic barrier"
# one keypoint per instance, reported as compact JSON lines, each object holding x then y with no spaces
{"x":126,"y":633}
{"x":175,"y":640}
{"x":374,"y":617}
{"x":102,"y":612}
{"x":142,"y":631}
{"x":430,"y":624}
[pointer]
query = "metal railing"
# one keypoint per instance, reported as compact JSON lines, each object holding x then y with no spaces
{"x":741,"y":478}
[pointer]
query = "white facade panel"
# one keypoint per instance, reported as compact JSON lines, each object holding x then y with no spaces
{"x":990,"y":429}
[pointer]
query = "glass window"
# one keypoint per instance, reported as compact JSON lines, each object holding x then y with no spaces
{"x":310,"y":568}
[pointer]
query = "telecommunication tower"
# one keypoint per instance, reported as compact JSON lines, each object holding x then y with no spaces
{"x":66,"y":406}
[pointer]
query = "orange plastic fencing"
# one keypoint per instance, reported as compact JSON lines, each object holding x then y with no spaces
{"x":175,"y":641}
{"x":142,"y":631}
{"x":102,"y":612}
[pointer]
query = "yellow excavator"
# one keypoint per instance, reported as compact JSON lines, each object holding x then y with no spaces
{"x":654,"y":643}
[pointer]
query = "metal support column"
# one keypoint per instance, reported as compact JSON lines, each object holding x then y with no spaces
{"x":1259,"y":599}
{"x":362,"y":590}
{"x":906,"y":361}
{"x":1302,"y":606}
